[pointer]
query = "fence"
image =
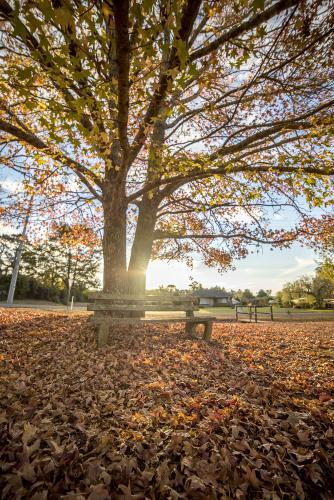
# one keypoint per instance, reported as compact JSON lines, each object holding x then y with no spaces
{"x":253,"y":313}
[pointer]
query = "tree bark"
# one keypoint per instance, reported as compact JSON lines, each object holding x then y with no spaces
{"x":142,"y":246}
{"x":114,"y":243}
{"x":144,"y":236}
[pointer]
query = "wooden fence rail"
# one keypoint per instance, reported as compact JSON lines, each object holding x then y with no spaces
{"x":253,"y":312}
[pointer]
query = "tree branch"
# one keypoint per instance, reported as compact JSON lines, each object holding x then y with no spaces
{"x":47,"y":63}
{"x":161,"y":235}
{"x":188,"y":18}
{"x":252,"y":141}
{"x":121,"y":12}
{"x":252,"y":23}
{"x":84,"y":174}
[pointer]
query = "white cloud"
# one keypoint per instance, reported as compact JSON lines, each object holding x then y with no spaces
{"x":302,"y":264}
{"x":267,"y":269}
{"x":10,"y":185}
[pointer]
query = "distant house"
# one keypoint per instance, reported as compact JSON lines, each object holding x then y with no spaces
{"x":212,"y":298}
{"x":328,"y":303}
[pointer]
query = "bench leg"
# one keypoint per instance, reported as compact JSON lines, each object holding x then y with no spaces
{"x":207,"y":330}
{"x":102,"y":335}
{"x":190,"y":329}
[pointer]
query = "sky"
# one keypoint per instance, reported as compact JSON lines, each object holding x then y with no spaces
{"x":267,"y":269}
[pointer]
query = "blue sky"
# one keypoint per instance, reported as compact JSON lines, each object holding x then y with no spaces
{"x":266,"y":269}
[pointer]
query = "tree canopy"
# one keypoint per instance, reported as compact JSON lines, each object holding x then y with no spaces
{"x":183,"y":126}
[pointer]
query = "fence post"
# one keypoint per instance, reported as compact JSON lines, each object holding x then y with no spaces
{"x":255,"y":309}
{"x":236,"y":313}
{"x":271,"y":313}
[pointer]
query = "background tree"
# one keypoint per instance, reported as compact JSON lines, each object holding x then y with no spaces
{"x":8,"y":245}
{"x":313,"y":289}
{"x":185,"y":124}
{"x":262,"y":297}
{"x":264,"y":293}
{"x":322,"y":288}
{"x":325,"y":269}
{"x":195,"y":285}
{"x":244,"y":296}
{"x":323,"y":283}
{"x":299,"y":290}
{"x":70,"y":254}
{"x":284,"y":296}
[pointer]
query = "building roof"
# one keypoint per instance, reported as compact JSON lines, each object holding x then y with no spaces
{"x":212,"y":294}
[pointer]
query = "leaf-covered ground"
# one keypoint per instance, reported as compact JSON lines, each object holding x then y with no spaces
{"x":158,"y":415}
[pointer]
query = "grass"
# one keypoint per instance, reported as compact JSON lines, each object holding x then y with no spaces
{"x":291,"y":309}
{"x":231,"y":311}
{"x":218,"y":310}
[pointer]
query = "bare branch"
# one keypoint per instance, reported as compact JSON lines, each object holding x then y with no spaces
{"x":121,"y":12}
{"x":244,"y":27}
{"x":190,"y":11}
{"x":161,"y":235}
{"x":84,"y":174}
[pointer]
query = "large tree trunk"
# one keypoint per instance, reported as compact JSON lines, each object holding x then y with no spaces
{"x":143,"y":241}
{"x":114,"y":244}
{"x":142,"y":246}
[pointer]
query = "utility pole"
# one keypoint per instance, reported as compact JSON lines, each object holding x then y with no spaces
{"x":18,"y":254}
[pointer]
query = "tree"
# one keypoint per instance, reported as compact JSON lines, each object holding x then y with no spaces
{"x":322,"y":288}
{"x":323,"y":283}
{"x":8,"y":245}
{"x":284,"y":296}
{"x":186,"y":125}
{"x":264,"y":293}
{"x":262,"y":297}
{"x":69,"y":258}
{"x":56,"y":262}
{"x":325,"y":269}
{"x":298,"y":289}
{"x":195,"y":285}
{"x":310,"y":290}
{"x":244,"y":296}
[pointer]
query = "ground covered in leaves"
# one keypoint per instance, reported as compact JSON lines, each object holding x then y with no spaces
{"x":158,"y":415}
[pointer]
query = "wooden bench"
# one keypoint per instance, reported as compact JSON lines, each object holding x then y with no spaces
{"x":111,"y":310}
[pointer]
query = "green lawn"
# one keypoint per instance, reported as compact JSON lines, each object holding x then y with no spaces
{"x":218,"y":310}
{"x":294,"y":310}
{"x":230,"y":311}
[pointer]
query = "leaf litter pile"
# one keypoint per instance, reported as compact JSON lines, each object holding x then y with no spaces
{"x":158,"y":415}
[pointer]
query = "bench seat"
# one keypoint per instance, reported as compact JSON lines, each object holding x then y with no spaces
{"x":110,"y":311}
